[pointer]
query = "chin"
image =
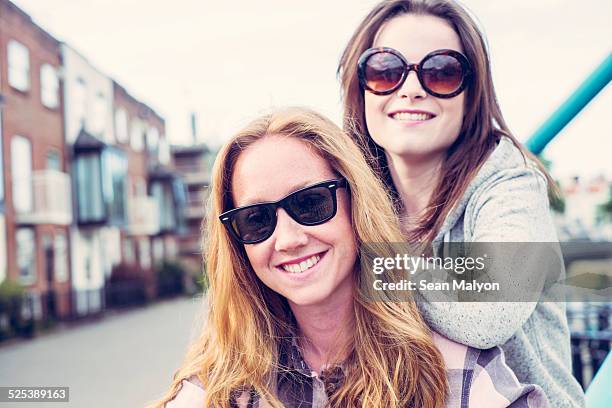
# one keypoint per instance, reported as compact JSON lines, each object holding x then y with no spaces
{"x":306,"y":299}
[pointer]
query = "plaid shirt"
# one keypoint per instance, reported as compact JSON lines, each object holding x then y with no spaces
{"x":476,"y":378}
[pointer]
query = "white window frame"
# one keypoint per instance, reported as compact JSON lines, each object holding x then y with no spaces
{"x":144,"y":253}
{"x":136,"y":135}
{"x":153,"y":138}
{"x":18,"y":57}
{"x":49,"y":86}
{"x":129,"y":256}
{"x":163,"y":151}
{"x":21,"y":169}
{"x":99,"y":118}
{"x":158,"y":249}
{"x":80,"y":103}
{"x":3,"y":259}
{"x":122,"y":126}
{"x":25,"y":239}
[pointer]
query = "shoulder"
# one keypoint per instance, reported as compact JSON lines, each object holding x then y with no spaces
{"x":509,"y":200}
{"x":191,"y":395}
{"x":509,"y":166}
{"x":507,"y":183}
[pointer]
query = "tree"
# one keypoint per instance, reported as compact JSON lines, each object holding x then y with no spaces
{"x":555,"y":196}
{"x":604,"y":211}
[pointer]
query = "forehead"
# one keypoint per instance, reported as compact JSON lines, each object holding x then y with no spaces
{"x":417,"y":35}
{"x":275,"y":166}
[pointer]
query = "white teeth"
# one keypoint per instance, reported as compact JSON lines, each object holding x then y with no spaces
{"x":414,"y":117}
{"x":302,"y":266}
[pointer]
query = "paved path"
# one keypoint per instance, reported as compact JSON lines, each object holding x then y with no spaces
{"x":123,"y":360}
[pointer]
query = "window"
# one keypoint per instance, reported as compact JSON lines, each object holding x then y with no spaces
{"x":171,"y":248}
{"x":2,"y":247}
{"x":21,"y":167}
{"x":61,"y":256}
{"x":144,"y":251}
{"x":1,"y":163}
{"x":89,"y":187}
{"x":152,"y":139}
{"x":121,"y":125}
{"x":26,"y":255}
{"x":49,"y":86}
{"x":128,"y":251}
{"x":98,"y":123}
{"x":162,"y":192}
{"x":114,"y":163}
{"x":78,"y":106}
{"x":101,"y":181}
{"x":54,"y":162}
{"x":164,"y":152}
{"x":18,"y":66}
{"x":136,"y":135}
{"x":158,"y":249}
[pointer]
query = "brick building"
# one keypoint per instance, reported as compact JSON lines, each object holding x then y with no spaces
{"x":86,"y":178}
{"x":150,"y":233}
{"x":36,"y":191}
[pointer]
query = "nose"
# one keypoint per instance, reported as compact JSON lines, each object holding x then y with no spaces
{"x":288,"y":234}
{"x":411,"y":88}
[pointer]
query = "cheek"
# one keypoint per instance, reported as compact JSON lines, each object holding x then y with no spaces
{"x":344,"y":227}
{"x":374,"y":113}
{"x":258,"y":257}
{"x":456,"y":110}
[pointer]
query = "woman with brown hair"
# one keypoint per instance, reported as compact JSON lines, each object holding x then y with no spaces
{"x":419,"y":98}
{"x":290,"y":320}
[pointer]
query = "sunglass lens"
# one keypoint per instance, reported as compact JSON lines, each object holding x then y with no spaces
{"x":383,"y":71}
{"x":312,"y":206}
{"x":442,"y":74}
{"x":254,"y":223}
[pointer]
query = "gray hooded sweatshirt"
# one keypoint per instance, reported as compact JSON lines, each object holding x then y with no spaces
{"x":508,"y":202}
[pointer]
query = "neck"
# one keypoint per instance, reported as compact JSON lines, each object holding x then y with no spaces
{"x":415,"y":181}
{"x":325,"y":329}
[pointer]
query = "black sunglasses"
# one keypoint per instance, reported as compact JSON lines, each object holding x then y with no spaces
{"x":312,"y":205}
{"x":442,"y":73}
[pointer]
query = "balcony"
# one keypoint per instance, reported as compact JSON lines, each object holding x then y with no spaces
{"x":190,"y":245}
{"x":50,"y":202}
{"x":193,"y":173}
{"x":196,"y":202}
{"x":143,"y":216}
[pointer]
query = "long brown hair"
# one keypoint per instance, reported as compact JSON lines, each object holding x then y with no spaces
{"x":483,"y":123}
{"x":392,"y":359}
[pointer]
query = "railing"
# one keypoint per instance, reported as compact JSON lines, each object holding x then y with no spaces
{"x":191,"y":245}
{"x":202,"y":177}
{"x":590,"y":324}
{"x":591,"y":338}
{"x":194,"y":173}
{"x":597,"y":81}
{"x":51,"y":198}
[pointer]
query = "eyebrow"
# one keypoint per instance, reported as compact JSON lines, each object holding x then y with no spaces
{"x":294,"y":188}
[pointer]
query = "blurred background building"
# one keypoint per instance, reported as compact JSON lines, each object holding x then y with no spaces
{"x":92,"y":210}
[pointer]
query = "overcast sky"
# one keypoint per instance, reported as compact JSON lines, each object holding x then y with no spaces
{"x":229,"y":61}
